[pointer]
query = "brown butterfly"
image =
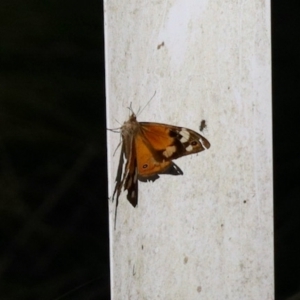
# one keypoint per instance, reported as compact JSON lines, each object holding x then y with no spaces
{"x":149,"y":150}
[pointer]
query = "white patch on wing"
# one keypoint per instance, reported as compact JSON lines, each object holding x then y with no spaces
{"x":189,"y":148}
{"x":169,"y":151}
{"x":185,"y":135}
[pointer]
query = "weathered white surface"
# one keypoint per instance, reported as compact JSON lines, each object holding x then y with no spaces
{"x":207,"y":234}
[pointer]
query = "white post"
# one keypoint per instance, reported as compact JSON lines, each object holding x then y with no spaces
{"x":209,"y":233}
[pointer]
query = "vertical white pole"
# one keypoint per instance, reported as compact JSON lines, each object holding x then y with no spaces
{"x":207,"y":234}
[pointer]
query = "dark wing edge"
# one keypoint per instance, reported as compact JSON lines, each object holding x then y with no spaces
{"x":173,"y":169}
{"x":119,"y":182}
{"x":126,"y":177}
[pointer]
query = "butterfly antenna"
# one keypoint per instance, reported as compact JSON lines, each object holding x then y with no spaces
{"x":141,"y":110}
{"x":130,"y":108}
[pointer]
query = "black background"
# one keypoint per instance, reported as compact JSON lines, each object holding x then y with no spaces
{"x":286,"y":128}
{"x":53,"y":176}
{"x":53,"y":214}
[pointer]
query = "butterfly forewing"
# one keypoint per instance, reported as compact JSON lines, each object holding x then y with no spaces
{"x":169,"y":142}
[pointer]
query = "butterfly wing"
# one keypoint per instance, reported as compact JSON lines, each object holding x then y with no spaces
{"x":127,"y":175}
{"x":149,"y":163}
{"x":131,"y":177}
{"x":158,"y":144}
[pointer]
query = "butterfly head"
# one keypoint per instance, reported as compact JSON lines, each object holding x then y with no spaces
{"x":130,"y":127}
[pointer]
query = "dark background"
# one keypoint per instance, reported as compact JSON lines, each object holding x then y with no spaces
{"x":53,"y":180}
{"x":286,"y":134}
{"x":53,"y":172}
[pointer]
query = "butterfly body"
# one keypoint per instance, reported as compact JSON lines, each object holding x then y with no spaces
{"x":149,"y":149}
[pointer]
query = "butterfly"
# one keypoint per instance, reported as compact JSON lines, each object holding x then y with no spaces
{"x":149,"y":150}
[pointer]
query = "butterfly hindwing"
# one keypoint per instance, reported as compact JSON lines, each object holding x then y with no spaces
{"x":149,"y":160}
